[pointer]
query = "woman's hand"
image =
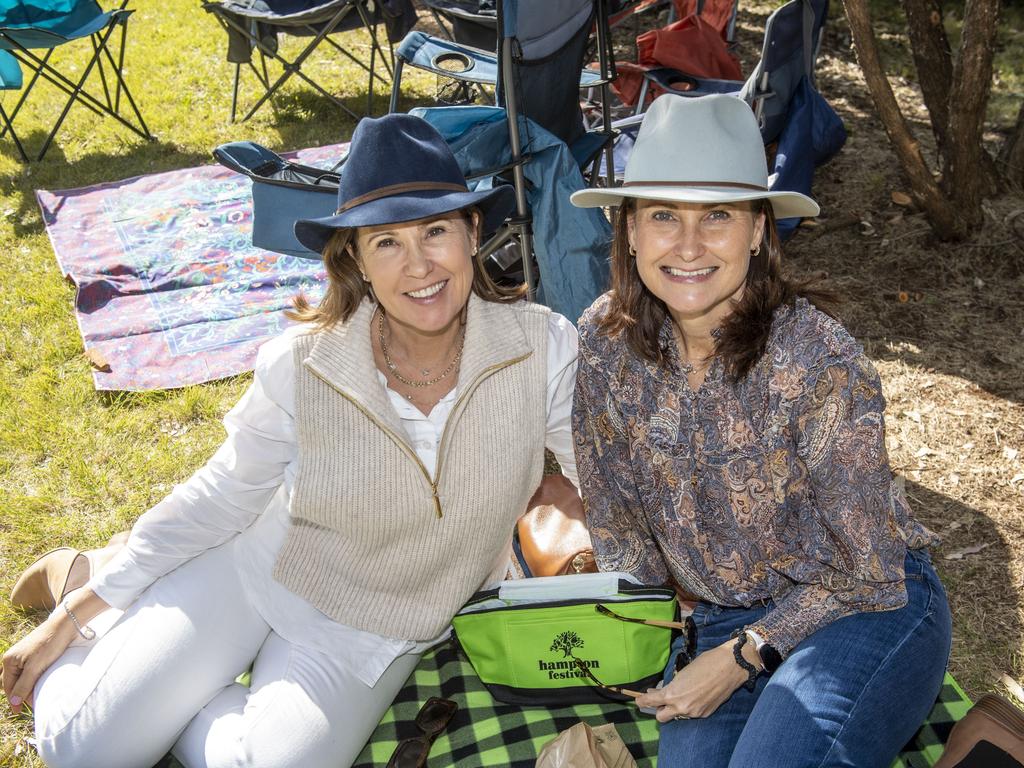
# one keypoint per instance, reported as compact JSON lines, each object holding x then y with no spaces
{"x":699,"y":688}
{"x":25,"y":661}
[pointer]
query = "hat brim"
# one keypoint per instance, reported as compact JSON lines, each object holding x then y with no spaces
{"x":785,"y":204}
{"x":495,"y":205}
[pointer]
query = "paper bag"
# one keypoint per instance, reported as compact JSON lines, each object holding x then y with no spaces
{"x":584,"y":747}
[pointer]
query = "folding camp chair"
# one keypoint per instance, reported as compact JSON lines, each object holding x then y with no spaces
{"x":792,"y":38}
{"x":255,"y":24}
{"x":46,"y":24}
{"x":10,"y":79}
{"x":536,"y":72}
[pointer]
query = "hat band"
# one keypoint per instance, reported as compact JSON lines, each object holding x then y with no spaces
{"x":398,"y":189}
{"x":736,"y":184}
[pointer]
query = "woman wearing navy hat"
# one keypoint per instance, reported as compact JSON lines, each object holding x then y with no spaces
{"x":730,"y":438}
{"x":369,"y":484}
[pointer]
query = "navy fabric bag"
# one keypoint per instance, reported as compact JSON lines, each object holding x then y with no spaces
{"x":813,"y":134}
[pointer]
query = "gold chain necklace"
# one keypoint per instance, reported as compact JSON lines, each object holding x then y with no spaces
{"x":394,"y":368}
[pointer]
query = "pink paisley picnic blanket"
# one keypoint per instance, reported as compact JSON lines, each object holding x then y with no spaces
{"x":171,"y":290}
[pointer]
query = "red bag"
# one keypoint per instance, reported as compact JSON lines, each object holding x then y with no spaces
{"x":716,"y":12}
{"x":692,"y":45}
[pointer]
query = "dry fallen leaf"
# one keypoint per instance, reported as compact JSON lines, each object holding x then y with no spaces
{"x":98,"y":361}
{"x":914,"y":416}
{"x":1010,"y":453}
{"x":954,"y":478}
{"x":974,"y":549}
{"x":902,"y":199}
{"x":1017,"y":478}
{"x":1013,"y":687}
{"x":923,"y":451}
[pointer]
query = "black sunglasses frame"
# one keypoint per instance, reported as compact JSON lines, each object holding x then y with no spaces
{"x":686,"y":654}
{"x":431,"y":725}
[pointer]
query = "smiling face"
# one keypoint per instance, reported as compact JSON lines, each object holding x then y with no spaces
{"x":421,"y":271}
{"x":695,"y":256}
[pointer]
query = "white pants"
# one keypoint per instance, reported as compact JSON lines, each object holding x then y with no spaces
{"x":163,"y":676}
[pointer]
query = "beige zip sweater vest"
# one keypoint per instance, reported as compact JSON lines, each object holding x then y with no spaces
{"x":366,"y":544}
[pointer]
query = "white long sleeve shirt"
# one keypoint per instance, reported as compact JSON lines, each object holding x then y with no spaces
{"x":240,"y":498}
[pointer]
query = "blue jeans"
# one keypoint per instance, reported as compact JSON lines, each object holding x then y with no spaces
{"x":851,"y":694}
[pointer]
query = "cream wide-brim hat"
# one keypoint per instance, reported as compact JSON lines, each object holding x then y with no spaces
{"x":698,"y":150}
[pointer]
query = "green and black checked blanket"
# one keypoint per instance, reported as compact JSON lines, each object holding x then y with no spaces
{"x":485,"y":733}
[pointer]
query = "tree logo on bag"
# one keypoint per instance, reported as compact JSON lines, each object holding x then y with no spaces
{"x":566,"y":643}
{"x":569,"y":669}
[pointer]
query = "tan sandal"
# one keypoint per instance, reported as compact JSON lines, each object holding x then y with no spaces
{"x":45,"y":582}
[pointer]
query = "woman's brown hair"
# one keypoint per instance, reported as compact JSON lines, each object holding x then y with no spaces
{"x":639,"y":315}
{"x":346,"y":288}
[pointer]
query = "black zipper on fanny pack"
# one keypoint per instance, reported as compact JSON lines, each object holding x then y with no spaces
{"x":653,"y":593}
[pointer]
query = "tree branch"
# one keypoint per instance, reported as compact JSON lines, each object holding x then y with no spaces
{"x":940,"y":213}
{"x":933,"y":59}
{"x":965,"y":173}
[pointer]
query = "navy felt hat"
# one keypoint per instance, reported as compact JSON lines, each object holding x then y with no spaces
{"x":399,"y":168}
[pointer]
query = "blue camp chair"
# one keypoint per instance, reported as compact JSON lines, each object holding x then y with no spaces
{"x":10,"y":79}
{"x":43,"y":25}
{"x":534,"y":66}
{"x":256,"y":24}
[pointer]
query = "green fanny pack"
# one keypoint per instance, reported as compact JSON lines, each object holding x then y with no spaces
{"x":567,"y":639}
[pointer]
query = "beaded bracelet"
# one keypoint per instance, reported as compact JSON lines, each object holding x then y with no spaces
{"x":737,"y":653}
{"x":86,"y":632}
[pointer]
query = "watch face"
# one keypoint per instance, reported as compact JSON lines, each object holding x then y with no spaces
{"x":770,"y":657}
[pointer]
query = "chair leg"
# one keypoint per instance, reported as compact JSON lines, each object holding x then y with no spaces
{"x":396,"y":86}
{"x":234,"y":92}
{"x":8,"y":127}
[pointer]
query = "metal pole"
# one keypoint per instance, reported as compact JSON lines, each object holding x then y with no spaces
{"x":522,"y":218}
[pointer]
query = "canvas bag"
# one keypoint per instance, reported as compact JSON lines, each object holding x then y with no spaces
{"x":523,"y":637}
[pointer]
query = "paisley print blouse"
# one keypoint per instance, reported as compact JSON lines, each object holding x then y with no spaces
{"x":774,"y":487}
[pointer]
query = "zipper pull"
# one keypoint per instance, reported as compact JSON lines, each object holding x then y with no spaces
{"x":437,"y":500}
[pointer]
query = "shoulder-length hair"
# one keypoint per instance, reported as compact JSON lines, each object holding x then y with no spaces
{"x":639,"y":315}
{"x":346,"y":288}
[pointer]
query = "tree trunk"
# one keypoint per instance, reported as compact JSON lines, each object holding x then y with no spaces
{"x":941,"y":215}
{"x":1012,"y":155}
{"x":964,"y":173}
{"x":933,"y":59}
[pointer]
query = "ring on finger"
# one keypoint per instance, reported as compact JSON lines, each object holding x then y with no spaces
{"x":681,"y":717}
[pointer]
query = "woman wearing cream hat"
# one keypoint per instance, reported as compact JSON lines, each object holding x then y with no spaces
{"x":730,"y":439}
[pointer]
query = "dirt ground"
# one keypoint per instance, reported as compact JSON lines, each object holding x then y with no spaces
{"x":945,"y":325}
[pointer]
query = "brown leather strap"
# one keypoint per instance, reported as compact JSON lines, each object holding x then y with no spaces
{"x":398,"y":189}
{"x":736,"y":184}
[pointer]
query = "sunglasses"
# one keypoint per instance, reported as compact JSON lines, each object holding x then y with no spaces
{"x":432,"y":719}
{"x":685,"y":656}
